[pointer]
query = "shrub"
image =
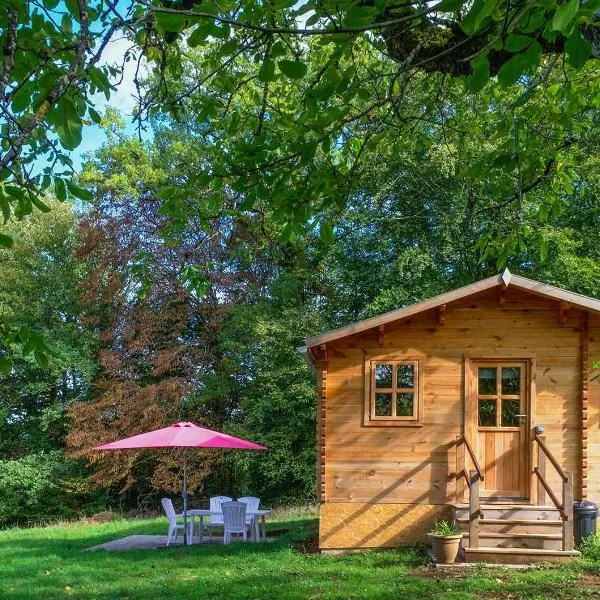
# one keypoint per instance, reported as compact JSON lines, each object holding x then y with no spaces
{"x":590,"y":548}
{"x":42,"y":487}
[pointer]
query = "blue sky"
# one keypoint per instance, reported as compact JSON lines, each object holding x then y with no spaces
{"x":123,"y":99}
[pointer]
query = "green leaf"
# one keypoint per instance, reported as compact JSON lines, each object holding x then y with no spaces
{"x":267,"y":71}
{"x":564,"y":14}
{"x":277,"y":49}
{"x":40,"y":204}
{"x":94,"y":115}
{"x":42,"y":359}
{"x":79,"y":192}
{"x":294,"y":69}
{"x":6,"y":241}
{"x":517,"y":65}
{"x":480,"y":10}
{"x":60,"y":190}
{"x":543,"y":249}
{"x":68,"y":124}
{"x":326,"y":233}
{"x":197,"y":37}
{"x":450,"y":5}
{"x":5,"y":365}
{"x":481,"y":74}
{"x":171,"y":22}
{"x":578,"y":50}
{"x":516,"y":43}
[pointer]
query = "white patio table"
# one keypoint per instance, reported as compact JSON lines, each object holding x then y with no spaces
{"x":259,"y":520}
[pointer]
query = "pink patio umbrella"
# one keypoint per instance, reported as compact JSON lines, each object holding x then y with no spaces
{"x":181,"y":435}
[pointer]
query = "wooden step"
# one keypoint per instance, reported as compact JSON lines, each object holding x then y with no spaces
{"x":546,"y":541}
{"x":523,"y":556}
{"x":509,"y":511}
{"x":522,"y":526}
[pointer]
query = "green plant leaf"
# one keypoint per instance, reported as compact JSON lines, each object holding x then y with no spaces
{"x":5,"y":365}
{"x":481,"y":74}
{"x":564,"y":14}
{"x":197,"y":37}
{"x":480,"y":10}
{"x":171,"y":22}
{"x":326,"y":233}
{"x":267,"y":71}
{"x":68,"y":124}
{"x":59,"y":189}
{"x":42,"y":359}
{"x":517,"y":65}
{"x":450,"y":5}
{"x":516,"y":43}
{"x":6,"y":241}
{"x":94,"y":115}
{"x":578,"y":50}
{"x":294,"y":69}
{"x":40,"y":204}
{"x":79,"y":192}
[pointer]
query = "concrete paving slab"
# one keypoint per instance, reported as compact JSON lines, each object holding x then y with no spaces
{"x":153,"y":542}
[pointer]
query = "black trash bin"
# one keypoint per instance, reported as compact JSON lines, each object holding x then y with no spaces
{"x":585,"y":514}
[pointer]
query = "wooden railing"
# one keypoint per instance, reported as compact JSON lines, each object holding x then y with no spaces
{"x":472,"y":477}
{"x":564,"y":507}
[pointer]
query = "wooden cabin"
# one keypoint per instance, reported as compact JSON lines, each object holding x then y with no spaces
{"x":476,"y":405}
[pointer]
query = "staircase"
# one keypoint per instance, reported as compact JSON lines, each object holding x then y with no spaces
{"x":514,"y":533}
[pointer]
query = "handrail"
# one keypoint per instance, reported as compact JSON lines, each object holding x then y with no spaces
{"x":473,"y":457}
{"x":473,"y":478}
{"x":565,"y":508}
{"x":559,"y":506}
{"x":551,"y":458}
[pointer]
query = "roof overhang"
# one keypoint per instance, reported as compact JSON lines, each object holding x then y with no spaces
{"x":504,"y":279}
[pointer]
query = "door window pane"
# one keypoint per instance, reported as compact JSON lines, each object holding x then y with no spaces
{"x":487,"y":413}
{"x":404,"y":405}
{"x":511,"y":380}
{"x":383,"y":376}
{"x":406,"y":376}
{"x":510,"y":413}
{"x":487,"y":380}
{"x":383,"y":405}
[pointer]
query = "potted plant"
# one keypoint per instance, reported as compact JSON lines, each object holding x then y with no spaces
{"x":445,"y":541}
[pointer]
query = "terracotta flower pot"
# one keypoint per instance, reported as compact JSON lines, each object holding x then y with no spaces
{"x":445,"y":548}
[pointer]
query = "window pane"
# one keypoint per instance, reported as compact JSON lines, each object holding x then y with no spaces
{"x":383,"y":376}
{"x":510,"y":412}
{"x":487,"y":413}
{"x":511,"y":380}
{"x":406,"y":376}
{"x":404,"y":405}
{"x":383,"y":405}
{"x":487,"y":380}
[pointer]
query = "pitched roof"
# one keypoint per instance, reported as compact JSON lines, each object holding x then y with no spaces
{"x":506,"y":278}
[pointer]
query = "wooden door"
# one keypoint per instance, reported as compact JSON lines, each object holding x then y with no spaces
{"x":501,"y":405}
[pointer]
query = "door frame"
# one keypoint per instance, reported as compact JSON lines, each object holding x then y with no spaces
{"x":470,"y":408}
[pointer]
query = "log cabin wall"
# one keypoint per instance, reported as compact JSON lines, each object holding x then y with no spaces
{"x":593,"y":445}
{"x":385,"y":486}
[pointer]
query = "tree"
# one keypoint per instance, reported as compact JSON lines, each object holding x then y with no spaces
{"x":157,"y":314}
{"x":39,"y":282}
{"x":311,"y":80}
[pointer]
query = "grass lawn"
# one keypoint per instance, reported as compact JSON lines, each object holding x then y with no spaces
{"x":47,"y":562}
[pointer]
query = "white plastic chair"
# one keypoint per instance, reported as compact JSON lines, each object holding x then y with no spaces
{"x":215,"y":504}
{"x":252,"y":503}
{"x":174,"y":526}
{"x":234,"y":520}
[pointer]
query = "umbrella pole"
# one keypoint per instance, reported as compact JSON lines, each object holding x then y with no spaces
{"x":185,"y":529}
